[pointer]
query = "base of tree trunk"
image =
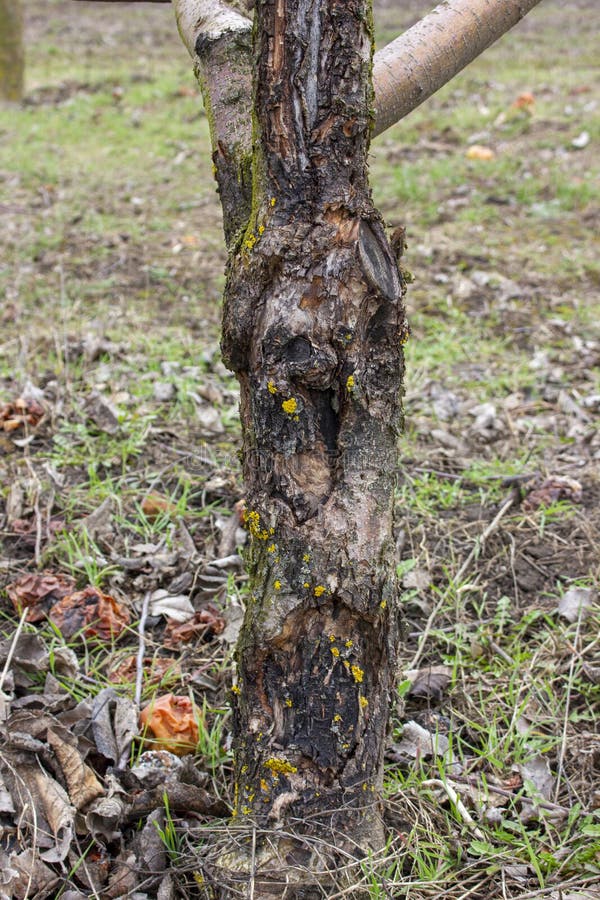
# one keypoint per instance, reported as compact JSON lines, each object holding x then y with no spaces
{"x":264,"y":864}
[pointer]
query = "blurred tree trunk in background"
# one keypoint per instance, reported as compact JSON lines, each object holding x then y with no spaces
{"x":12,"y":54}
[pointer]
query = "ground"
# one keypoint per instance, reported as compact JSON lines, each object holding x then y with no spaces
{"x":119,"y":468}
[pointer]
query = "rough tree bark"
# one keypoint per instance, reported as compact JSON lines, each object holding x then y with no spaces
{"x":313,"y":327}
{"x":12,"y":54}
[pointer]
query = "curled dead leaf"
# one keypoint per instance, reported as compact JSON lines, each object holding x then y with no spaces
{"x":38,"y":592}
{"x":155,"y":505}
{"x":205,"y":623}
{"x":552,"y":489}
{"x":173,"y":721}
{"x":431,"y":681}
{"x":20,"y":413}
{"x":90,"y":612}
{"x":156,"y":669}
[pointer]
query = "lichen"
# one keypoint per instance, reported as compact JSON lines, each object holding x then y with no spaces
{"x":319,"y":590}
{"x":357,"y":673}
{"x":290,"y":406}
{"x":350,"y":383}
{"x":279,"y":766}
{"x":271,"y":387}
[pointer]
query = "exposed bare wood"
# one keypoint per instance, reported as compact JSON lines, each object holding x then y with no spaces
{"x":420,"y":61}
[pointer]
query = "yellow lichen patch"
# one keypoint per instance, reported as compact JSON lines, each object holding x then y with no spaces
{"x":277,"y":585}
{"x":363,"y":702}
{"x":357,"y":673}
{"x":306,"y":557}
{"x":272,"y":201}
{"x":383,"y":604}
{"x":319,"y":590}
{"x":337,"y":718}
{"x":335,"y":652}
{"x":252,"y":520}
{"x":349,"y":644}
{"x":244,"y":769}
{"x":261,"y":229}
{"x":306,"y":584}
{"x":350,"y":383}
{"x":289,"y":702}
{"x":271,"y":548}
{"x":264,"y":786}
{"x":250,"y":241}
{"x":280,"y":766}
{"x":332,"y":638}
{"x":290,"y":406}
{"x":246,"y":810}
{"x":271,"y":387}
{"x":235,"y":689}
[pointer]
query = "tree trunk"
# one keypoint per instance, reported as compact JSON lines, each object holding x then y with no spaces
{"x":12,"y":55}
{"x":313,"y":327}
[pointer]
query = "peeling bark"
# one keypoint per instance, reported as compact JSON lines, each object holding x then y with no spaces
{"x":313,"y":327}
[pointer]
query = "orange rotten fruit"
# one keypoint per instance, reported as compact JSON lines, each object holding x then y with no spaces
{"x":173,"y":721}
{"x":90,"y":612}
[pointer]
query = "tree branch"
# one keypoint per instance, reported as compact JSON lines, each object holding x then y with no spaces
{"x":219,"y":41}
{"x":405,"y":73}
{"x":419,"y":62}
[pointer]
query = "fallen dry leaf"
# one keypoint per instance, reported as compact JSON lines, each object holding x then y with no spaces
{"x":114,"y":725}
{"x":552,"y":489}
{"x":156,"y":668}
{"x":477,"y":151}
{"x":173,"y":721}
{"x":155,"y":505}
{"x":20,"y":413}
{"x":576,"y":602}
{"x":206,"y":622}
{"x":91,"y":612}
{"x":430,"y":681}
{"x":38,"y":592}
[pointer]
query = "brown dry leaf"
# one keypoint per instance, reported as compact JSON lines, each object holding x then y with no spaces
{"x":477,"y":151}
{"x":173,"y":721}
{"x":82,"y":784}
{"x":30,"y":877}
{"x":114,"y":724}
{"x":155,"y":505}
{"x":430,"y":681}
{"x":20,"y":413}
{"x":38,"y":592}
{"x":91,"y":612}
{"x":156,"y":668}
{"x":552,"y":489}
{"x":207,"y":621}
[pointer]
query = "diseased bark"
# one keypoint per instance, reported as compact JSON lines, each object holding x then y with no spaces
{"x":12,"y":54}
{"x":313,"y":327}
